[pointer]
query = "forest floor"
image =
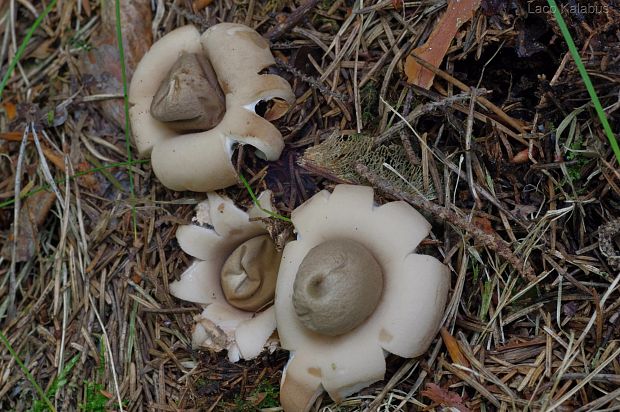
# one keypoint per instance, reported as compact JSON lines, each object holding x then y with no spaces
{"x":504,"y":151}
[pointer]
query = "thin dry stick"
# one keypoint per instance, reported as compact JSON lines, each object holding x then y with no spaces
{"x":419,"y":111}
{"x":13,"y":267}
{"x":44,"y":166}
{"x":470,"y":128}
{"x":60,"y":270}
{"x":356,"y":90}
{"x":413,"y":158}
{"x":312,"y":81}
{"x":466,"y":376}
{"x":453,"y":167}
{"x":424,"y":372}
{"x":491,"y":241}
{"x":109,"y":352}
{"x":568,"y":395}
{"x":598,"y":403}
{"x":291,"y":21}
{"x":395,"y":380}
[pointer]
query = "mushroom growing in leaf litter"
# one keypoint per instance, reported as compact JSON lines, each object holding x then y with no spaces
{"x":234,"y":276}
{"x":355,"y":261}
{"x":193,"y":97}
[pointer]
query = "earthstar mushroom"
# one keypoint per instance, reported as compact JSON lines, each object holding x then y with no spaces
{"x":173,"y":91}
{"x":235,"y":257}
{"x":407,"y":315}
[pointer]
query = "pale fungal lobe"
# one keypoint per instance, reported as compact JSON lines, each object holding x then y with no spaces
{"x":234,"y":276}
{"x":348,"y":229}
{"x":193,"y":98}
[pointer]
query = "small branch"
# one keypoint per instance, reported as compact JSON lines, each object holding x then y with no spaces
{"x":418,"y":112}
{"x":493,"y":242}
{"x":468,"y":135}
{"x":312,"y":81}
{"x":291,"y":20}
{"x":13,"y":265}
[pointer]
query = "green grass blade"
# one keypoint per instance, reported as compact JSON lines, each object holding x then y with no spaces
{"x":586,"y":78}
{"x":255,"y":200}
{"x":29,"y":376}
{"x":23,"y":45}
{"x":121,"y":53}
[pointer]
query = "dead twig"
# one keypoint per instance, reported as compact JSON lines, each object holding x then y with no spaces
{"x":13,"y":267}
{"x":291,"y":20}
{"x":491,"y":241}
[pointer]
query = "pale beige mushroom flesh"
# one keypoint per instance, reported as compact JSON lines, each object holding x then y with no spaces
{"x":193,"y":97}
{"x":249,"y":274}
{"x":234,"y":276}
{"x":406,"y":303}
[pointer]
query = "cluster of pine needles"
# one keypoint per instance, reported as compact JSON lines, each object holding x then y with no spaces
{"x":510,"y":154}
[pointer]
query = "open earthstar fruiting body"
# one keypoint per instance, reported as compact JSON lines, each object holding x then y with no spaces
{"x":181,"y":87}
{"x":234,"y":276}
{"x":404,"y":319}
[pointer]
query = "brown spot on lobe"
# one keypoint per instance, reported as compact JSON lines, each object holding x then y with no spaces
{"x":255,"y":38}
{"x":315,"y":372}
{"x":385,"y":336}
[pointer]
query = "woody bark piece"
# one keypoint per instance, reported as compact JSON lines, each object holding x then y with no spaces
{"x":31,"y":216}
{"x":436,"y":47}
{"x":102,"y":61}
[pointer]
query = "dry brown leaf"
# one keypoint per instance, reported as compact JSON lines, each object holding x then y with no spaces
{"x":198,"y":5}
{"x":484,"y":224}
{"x":10,"y":109}
{"x":88,"y":180}
{"x":57,"y":160}
{"x":444,"y":397}
{"x":106,"y":393}
{"x":31,"y":216}
{"x":43,"y":50}
{"x":522,"y":157}
{"x":257,"y":398}
{"x":454,"y":350}
{"x":102,"y":61}
{"x":434,"y":50}
{"x":86,"y":7}
{"x":278,"y":109}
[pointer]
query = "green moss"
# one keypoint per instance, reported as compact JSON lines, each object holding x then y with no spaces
{"x":59,"y":382}
{"x":271,"y":392}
